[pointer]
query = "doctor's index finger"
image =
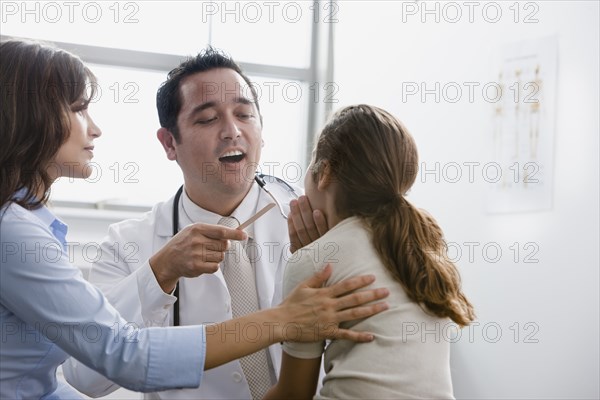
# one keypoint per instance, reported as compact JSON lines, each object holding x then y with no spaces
{"x":220,"y":232}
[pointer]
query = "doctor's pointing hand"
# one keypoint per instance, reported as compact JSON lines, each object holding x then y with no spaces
{"x":197,"y":249}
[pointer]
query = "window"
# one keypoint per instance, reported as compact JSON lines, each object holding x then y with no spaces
{"x":276,"y":33}
{"x":173,"y":27}
{"x":131,"y":46}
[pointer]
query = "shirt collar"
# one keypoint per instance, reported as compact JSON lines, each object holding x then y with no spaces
{"x":193,"y":213}
{"x":42,"y":212}
{"x":45,"y":215}
{"x":58,"y":228}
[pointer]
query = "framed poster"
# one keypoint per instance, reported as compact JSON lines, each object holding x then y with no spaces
{"x":523,"y":125}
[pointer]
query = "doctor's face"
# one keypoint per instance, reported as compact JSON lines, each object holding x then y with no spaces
{"x":220,"y":132}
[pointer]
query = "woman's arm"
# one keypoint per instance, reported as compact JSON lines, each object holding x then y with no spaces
{"x":310,"y":313}
{"x":40,"y":288}
{"x":298,"y":378}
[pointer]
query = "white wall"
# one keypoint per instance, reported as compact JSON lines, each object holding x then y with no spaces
{"x":375,"y":52}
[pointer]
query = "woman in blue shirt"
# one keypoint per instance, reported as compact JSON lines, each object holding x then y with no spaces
{"x":48,"y":312}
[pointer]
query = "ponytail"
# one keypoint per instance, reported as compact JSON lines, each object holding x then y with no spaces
{"x":411,"y":246}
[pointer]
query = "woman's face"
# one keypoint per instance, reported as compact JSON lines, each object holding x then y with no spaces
{"x":73,"y":157}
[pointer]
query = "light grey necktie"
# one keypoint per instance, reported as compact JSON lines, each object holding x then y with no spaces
{"x":241,"y":282}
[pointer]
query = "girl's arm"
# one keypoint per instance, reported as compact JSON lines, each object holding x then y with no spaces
{"x":298,"y":378}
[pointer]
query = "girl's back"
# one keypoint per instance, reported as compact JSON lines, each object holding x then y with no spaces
{"x":409,"y":357}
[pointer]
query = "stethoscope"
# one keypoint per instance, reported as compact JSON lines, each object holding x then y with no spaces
{"x":260,"y":179}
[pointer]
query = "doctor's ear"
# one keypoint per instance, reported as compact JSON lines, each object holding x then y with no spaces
{"x":166,"y":138}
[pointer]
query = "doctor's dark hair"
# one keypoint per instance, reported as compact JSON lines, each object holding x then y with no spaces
{"x":168,"y":97}
{"x":373,"y":159}
{"x":39,"y":86}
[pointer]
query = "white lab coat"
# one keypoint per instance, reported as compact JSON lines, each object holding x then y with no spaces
{"x":124,"y":275}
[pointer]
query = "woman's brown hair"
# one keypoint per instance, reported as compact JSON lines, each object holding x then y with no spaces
{"x":39,"y":85}
{"x":374,"y":160}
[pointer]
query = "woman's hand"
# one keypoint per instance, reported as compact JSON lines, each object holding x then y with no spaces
{"x":313,"y":312}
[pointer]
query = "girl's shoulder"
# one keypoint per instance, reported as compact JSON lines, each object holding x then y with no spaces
{"x":348,"y":227}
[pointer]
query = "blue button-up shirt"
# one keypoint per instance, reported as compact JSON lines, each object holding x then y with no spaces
{"x":48,"y":312}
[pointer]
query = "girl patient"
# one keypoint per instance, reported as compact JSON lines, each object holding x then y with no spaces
{"x":364,"y":163}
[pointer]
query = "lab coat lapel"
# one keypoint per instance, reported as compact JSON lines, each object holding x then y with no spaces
{"x":164,"y":218}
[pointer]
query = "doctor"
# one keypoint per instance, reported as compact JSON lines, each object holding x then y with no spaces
{"x":166,"y":270}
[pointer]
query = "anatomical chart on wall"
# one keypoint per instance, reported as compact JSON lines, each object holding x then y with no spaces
{"x":523,"y":125}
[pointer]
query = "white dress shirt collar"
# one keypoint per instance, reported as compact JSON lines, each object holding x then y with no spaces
{"x":193,"y":213}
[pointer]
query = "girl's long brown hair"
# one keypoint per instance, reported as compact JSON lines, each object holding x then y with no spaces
{"x":374,"y":160}
{"x":38,"y":85}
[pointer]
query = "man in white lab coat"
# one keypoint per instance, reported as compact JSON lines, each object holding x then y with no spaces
{"x":211,"y":125}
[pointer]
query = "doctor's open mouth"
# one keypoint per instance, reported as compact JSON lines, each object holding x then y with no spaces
{"x":232,"y":157}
